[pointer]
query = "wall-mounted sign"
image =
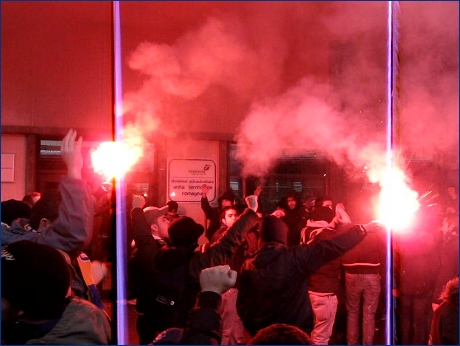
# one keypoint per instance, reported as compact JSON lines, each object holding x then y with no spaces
{"x":186,"y":178}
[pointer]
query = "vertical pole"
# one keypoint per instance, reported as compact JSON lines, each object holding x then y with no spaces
{"x":121,"y":248}
{"x":392,"y":73}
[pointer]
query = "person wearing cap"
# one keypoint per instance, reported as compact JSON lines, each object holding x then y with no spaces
{"x":158,"y":223}
{"x":159,"y":261}
{"x":272,"y":285}
{"x":37,"y":304}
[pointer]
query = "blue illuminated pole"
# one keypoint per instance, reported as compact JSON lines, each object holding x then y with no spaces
{"x":392,"y":98}
{"x":121,"y":261}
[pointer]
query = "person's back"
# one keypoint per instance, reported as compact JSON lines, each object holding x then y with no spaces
{"x":363,"y":265}
{"x":273,"y":283}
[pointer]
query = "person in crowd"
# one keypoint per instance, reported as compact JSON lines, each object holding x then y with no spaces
{"x":204,"y":322}
{"x":32,"y":198}
{"x":415,"y":268}
{"x":280,"y":334}
{"x":308,"y":204}
{"x":447,"y":250}
{"x":324,"y":283}
{"x":70,"y":228}
{"x":171,"y":272}
{"x":272,"y":284}
{"x":100,"y":248}
{"x":323,"y":211}
{"x":38,"y":306}
{"x":63,"y":218}
{"x":233,"y":330}
{"x":158,"y":223}
{"x":171,"y":213}
{"x":295,"y":216}
{"x":363,"y":266}
{"x":215,"y":282}
{"x":213,"y":214}
{"x":13,"y":209}
{"x":444,"y":325}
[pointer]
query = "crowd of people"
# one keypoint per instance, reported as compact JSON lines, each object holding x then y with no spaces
{"x":301,"y":274}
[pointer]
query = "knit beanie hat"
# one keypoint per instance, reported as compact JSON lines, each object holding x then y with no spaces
{"x":273,"y":229}
{"x":184,"y":231}
{"x":13,"y":209}
{"x":35,"y":279}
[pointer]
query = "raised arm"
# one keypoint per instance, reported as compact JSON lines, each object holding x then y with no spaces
{"x":221,"y":251}
{"x":205,"y":206}
{"x":146,"y":245}
{"x":73,"y":229}
{"x":204,"y":322}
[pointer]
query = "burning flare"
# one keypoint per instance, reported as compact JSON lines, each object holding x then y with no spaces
{"x":113,"y":159}
{"x":397,"y":202}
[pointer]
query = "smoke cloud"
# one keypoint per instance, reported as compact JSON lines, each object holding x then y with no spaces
{"x":300,"y":77}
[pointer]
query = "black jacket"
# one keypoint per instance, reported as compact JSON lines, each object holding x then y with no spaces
{"x":273,"y":282}
{"x":151,"y":255}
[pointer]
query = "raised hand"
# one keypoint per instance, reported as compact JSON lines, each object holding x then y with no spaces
{"x":217,"y":279}
{"x":252,"y":202}
{"x":71,"y":154}
{"x":138,"y":201}
{"x":204,"y":190}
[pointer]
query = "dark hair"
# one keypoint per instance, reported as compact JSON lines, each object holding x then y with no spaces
{"x":172,"y":206}
{"x":46,"y":207}
{"x":224,"y":210}
{"x":319,"y":200}
{"x":29,"y":198}
{"x":229,"y":195}
{"x":450,"y":291}
{"x":280,"y":334}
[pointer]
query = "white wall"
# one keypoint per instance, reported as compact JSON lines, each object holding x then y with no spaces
{"x":15,"y":144}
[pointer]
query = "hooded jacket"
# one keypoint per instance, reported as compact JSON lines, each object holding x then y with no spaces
{"x":82,"y":323}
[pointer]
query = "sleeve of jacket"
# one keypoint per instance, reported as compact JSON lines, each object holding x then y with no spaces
{"x":73,"y":229}
{"x":206,"y":207}
{"x":311,"y":257}
{"x":204,"y":322}
{"x":146,"y":245}
{"x":220,"y":252}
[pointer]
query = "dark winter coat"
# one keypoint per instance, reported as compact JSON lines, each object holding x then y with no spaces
{"x":273,"y":282}
{"x":155,"y":258}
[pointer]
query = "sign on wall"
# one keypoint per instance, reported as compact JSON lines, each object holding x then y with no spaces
{"x":187,"y":176}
